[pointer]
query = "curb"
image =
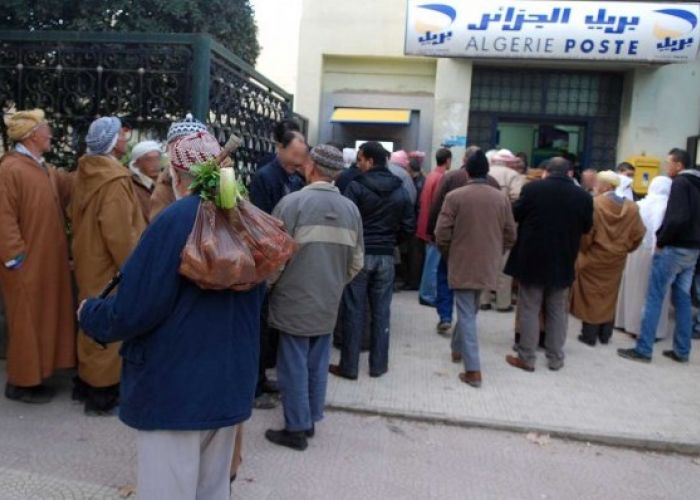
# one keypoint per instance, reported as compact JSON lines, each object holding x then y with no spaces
{"x":614,"y":440}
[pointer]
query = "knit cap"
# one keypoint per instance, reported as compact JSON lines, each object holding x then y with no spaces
{"x":328,"y":157}
{"x":478,"y":165}
{"x":188,"y":126}
{"x":143,"y":148}
{"x":195,"y":148}
{"x":399,"y":158}
{"x":503,"y":157}
{"x":103,"y":134}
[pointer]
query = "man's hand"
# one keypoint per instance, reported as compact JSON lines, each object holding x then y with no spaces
{"x":80,"y":309}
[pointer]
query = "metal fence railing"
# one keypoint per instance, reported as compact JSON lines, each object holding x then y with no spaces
{"x":148,"y":80}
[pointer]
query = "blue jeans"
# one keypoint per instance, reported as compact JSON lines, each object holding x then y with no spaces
{"x":674,"y":267}
{"x":464,"y":338}
{"x":428,"y":282}
{"x":696,"y":323}
{"x":302,"y":374}
{"x":376,"y":280}
{"x":445,"y":297}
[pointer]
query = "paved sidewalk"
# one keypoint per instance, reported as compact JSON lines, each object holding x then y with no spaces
{"x":597,"y":396}
{"x":55,"y":452}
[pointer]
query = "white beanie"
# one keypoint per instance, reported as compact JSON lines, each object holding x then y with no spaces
{"x":143,"y":148}
{"x":138,"y":151}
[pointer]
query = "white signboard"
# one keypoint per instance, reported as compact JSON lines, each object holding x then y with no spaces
{"x":530,"y":29}
{"x":389,"y":146}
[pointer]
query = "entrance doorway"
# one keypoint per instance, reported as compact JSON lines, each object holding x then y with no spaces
{"x":542,"y":141}
{"x":547,"y":111}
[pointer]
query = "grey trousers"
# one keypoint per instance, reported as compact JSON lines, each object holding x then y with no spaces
{"x":556,"y":304}
{"x":185,"y":465}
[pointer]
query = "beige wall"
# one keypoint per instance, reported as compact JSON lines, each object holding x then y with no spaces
{"x":357,"y":28}
{"x":661,"y":109}
{"x":452,"y":95}
{"x":378,"y":74}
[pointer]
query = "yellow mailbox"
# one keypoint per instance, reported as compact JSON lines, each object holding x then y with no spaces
{"x":645,"y":169}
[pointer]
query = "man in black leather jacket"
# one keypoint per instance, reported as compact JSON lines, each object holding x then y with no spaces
{"x":387,"y":217}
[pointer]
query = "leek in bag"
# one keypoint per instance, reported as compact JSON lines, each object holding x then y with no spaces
{"x":233,"y":244}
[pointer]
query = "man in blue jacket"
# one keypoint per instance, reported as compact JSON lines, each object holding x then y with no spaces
{"x":271,"y":183}
{"x":279,"y":177}
{"x":190,"y":357}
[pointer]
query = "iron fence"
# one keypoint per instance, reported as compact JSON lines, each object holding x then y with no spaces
{"x":148,"y":80}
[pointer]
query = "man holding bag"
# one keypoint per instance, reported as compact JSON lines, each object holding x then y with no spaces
{"x":190,"y":355}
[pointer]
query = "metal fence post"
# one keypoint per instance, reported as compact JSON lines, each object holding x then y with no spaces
{"x":201,"y":71}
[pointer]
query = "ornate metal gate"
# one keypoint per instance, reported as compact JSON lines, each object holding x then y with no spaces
{"x":147,"y":80}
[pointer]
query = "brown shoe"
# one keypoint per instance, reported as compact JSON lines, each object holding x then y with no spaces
{"x":471,"y":378}
{"x":456,"y":357}
{"x":519,"y":363}
{"x":335,"y":370}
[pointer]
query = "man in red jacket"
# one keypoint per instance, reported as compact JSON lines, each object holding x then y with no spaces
{"x":428,"y":284}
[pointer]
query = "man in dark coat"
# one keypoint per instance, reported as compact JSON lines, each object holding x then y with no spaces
{"x":279,"y":177}
{"x":347,"y":176}
{"x":271,"y":183}
{"x":387,"y":216}
{"x":552,"y":215}
{"x":190,"y":359}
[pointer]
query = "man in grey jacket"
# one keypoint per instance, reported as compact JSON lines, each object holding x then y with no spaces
{"x":305,"y":300}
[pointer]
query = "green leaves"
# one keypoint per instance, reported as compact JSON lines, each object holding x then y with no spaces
{"x":206,"y":180}
{"x":218,"y":185}
{"x":230,"y":22}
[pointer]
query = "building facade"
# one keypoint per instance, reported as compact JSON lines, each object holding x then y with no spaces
{"x":356,"y":81}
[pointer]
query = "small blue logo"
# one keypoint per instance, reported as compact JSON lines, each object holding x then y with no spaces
{"x":434,"y":21}
{"x":675,"y":34}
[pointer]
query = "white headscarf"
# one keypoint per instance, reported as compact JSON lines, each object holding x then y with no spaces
{"x":653,"y":209}
{"x":624,"y":190}
{"x":141,"y":149}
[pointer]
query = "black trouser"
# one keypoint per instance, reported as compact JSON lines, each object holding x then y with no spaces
{"x":414,"y":263}
{"x":269,"y":337}
{"x":338,"y":331}
{"x":592,"y":333}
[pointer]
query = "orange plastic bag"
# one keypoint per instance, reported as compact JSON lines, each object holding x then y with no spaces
{"x":269,"y":244}
{"x":215,"y":257}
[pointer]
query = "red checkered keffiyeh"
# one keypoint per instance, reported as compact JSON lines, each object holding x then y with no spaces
{"x":195,"y":148}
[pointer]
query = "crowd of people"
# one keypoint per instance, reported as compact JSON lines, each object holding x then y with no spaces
{"x":186,"y":366}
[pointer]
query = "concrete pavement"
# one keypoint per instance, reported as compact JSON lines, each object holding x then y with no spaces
{"x":597,"y":396}
{"x":55,"y":452}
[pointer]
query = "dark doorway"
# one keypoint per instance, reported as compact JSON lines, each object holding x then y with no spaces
{"x":542,"y":141}
{"x":580,"y":103}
